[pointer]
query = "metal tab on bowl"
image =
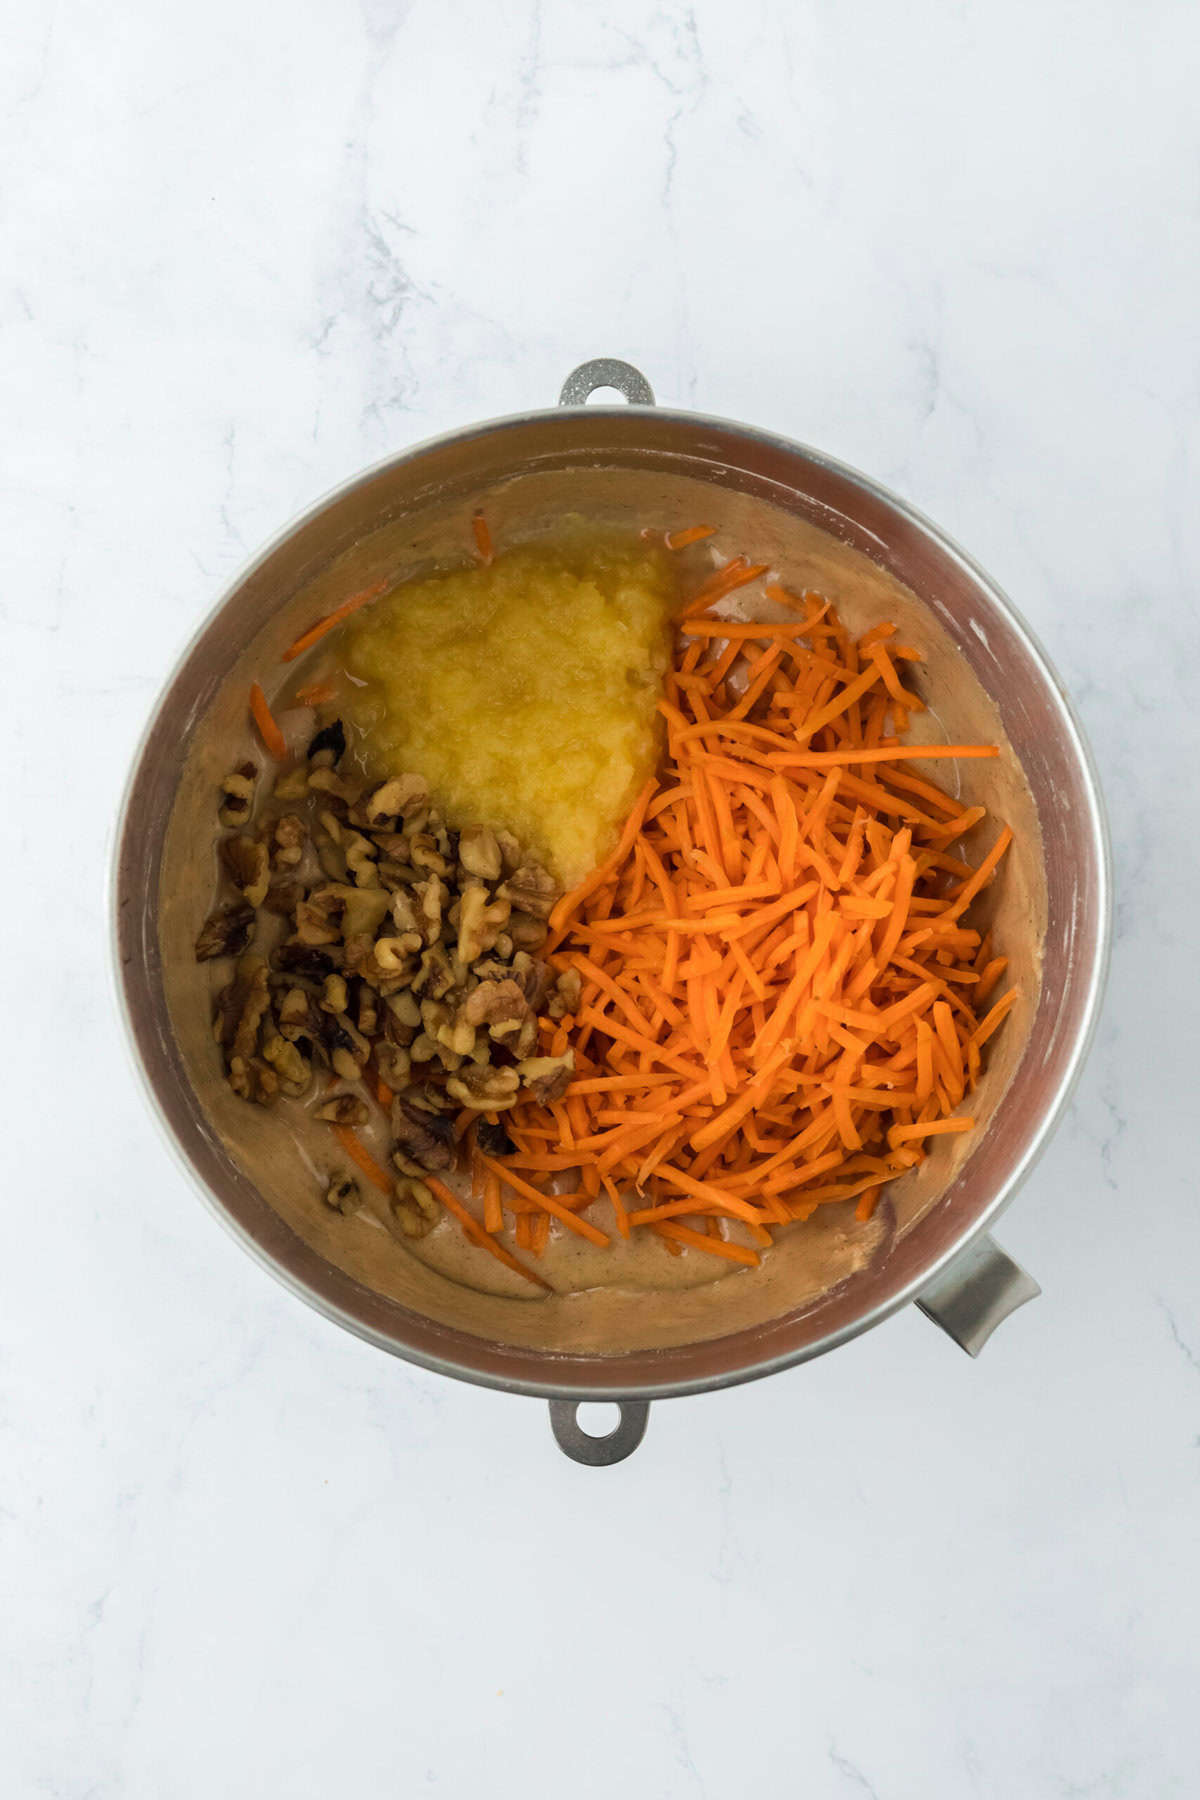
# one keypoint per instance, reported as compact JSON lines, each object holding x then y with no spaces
{"x":598,"y":1452}
{"x":976,"y":1293}
{"x":606,"y":371}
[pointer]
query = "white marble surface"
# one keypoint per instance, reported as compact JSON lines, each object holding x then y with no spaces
{"x":250,"y":247}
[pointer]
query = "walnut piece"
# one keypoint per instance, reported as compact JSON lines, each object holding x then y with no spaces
{"x":426,"y":1138}
{"x":225,"y":932}
{"x":399,"y":798}
{"x":547,"y":1077}
{"x":293,"y":1069}
{"x":531,"y":889}
{"x":237,"y":794}
{"x":414,"y":1208}
{"x":483,"y":1088}
{"x":479,"y":852}
{"x":288,"y":841}
{"x":342,"y":1195}
{"x":344,"y":1109}
{"x":494,"y":1003}
{"x":249,"y":866}
{"x":480,"y":921}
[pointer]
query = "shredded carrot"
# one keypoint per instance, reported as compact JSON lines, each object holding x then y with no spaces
{"x":493,"y":1211}
{"x":268,"y":730}
{"x":483,"y":538}
{"x":316,"y":632}
{"x":478,"y":1236}
{"x":715,"y":1246}
{"x":692,"y":534}
{"x":782,"y":997}
{"x":552,"y":1205}
{"x":358,"y":1153}
{"x":734,"y":574}
{"x":315,"y":694}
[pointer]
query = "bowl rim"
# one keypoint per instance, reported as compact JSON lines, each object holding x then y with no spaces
{"x":1096,"y":976}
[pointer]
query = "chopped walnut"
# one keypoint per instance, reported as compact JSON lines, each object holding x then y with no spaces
{"x":293,"y":785}
{"x":547,"y":1077}
{"x":348,"y":1052}
{"x":304,"y":959}
{"x":413,"y":949}
{"x":334,"y":997}
{"x":480,"y":921}
{"x":406,"y":915}
{"x":531,"y":889}
{"x":344,"y":1109}
{"x":435,"y":977}
{"x":565,"y":998}
{"x":510,"y":851}
{"x":399,"y":955}
{"x":457,"y":1036}
{"x":318,"y":919}
{"x":251,"y":1079}
{"x":526,"y":932}
{"x":479,"y":852}
{"x":425,"y":854}
{"x":283,"y":897}
{"x":249,"y":866}
{"x":327,"y":781}
{"x":394,"y":1064}
{"x":367,"y":1018}
{"x":532,"y":977}
{"x":342,"y":1195}
{"x":294,"y":1013}
{"x":252,"y":996}
{"x":483,"y":1088}
{"x":431,"y":896}
{"x":363,"y":911}
{"x":288,"y":841}
{"x":399,"y":798}
{"x":225,"y":932}
{"x":493,"y":1140}
{"x":517,"y":1036}
{"x":414,"y":1208}
{"x":360,"y":859}
{"x":237,"y":794}
{"x":494,"y":1003}
{"x":426,"y":1138}
{"x":293,"y":1069}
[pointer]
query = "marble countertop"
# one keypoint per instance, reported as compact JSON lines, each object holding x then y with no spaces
{"x":248,"y":249}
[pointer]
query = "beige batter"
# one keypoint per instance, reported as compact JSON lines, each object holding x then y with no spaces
{"x":635,"y":1295}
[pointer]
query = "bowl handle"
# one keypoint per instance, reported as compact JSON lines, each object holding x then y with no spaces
{"x":978,"y":1290}
{"x":598,"y":1452}
{"x":606,"y":371}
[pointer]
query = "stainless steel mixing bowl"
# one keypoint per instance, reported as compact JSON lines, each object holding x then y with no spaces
{"x":758,"y":484}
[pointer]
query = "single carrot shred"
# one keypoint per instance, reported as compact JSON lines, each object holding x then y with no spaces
{"x":691,"y":534}
{"x":358,"y":1153}
{"x":316,"y":632}
{"x":483,"y":538}
{"x":268,"y":730}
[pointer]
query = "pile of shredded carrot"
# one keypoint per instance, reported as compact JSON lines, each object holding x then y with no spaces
{"x":782,"y":998}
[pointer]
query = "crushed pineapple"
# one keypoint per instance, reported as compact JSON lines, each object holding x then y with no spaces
{"x":524,"y":691}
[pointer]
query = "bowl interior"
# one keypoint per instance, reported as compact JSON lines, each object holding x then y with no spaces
{"x":822,"y":527}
